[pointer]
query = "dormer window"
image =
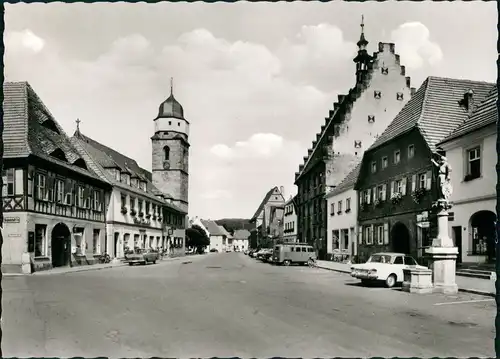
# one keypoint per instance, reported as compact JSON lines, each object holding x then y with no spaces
{"x":125,"y":178}
{"x":59,"y":154}
{"x":143,"y":185}
{"x":134,"y":182}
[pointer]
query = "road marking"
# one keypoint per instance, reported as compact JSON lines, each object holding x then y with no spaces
{"x":467,"y":301}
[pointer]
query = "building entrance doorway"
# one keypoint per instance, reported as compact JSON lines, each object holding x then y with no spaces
{"x":482,"y":225}
{"x":400,"y":238}
{"x":60,"y":245}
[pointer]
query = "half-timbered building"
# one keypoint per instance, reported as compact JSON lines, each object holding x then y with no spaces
{"x":138,"y":215}
{"x":54,"y":204}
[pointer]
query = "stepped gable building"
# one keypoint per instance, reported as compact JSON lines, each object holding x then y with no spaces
{"x":262,"y":216}
{"x":471,"y":153}
{"x":397,"y":183}
{"x":171,"y":152}
{"x":138,"y":214}
{"x":357,"y":118}
{"x":54,"y":203}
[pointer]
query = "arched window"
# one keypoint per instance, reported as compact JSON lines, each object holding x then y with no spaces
{"x":166,"y":152}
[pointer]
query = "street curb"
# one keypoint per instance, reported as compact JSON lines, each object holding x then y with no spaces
{"x":334,"y":269}
{"x":81,"y":269}
{"x":465,"y":290}
{"x":476,"y":291}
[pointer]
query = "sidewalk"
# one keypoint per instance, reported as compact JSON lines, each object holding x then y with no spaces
{"x":465,"y":284}
{"x":98,"y":266}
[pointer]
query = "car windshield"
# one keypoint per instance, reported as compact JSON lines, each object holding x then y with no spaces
{"x":379,"y":258}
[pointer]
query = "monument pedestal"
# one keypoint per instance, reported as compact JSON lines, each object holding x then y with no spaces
{"x":417,"y":280}
{"x":443,"y":264}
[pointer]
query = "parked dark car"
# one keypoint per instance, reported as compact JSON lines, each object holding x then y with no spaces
{"x":214,"y":250}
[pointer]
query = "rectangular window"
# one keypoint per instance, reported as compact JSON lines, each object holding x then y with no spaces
{"x":411,"y":151}
{"x":397,"y":157}
{"x":366,"y":196}
{"x":332,"y":209}
{"x":147,"y":207}
{"x":422,"y":179}
{"x":474,"y":163}
{"x":124,"y":200}
{"x":339,"y":206}
{"x":380,"y":191}
{"x":80,"y":202}
{"x":380,"y":235}
{"x":368,"y":238}
{"x":41,"y":190}
{"x":385,"y":162}
{"x":40,"y":239}
{"x":398,"y":186}
{"x":59,"y":191}
{"x":97,"y":200}
{"x":347,"y":204}
{"x":374,"y":167}
{"x":10,"y":181}
{"x":140,"y":206}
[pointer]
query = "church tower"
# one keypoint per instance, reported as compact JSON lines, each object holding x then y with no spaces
{"x":170,"y":165}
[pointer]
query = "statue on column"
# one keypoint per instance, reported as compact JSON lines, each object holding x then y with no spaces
{"x":444,"y":181}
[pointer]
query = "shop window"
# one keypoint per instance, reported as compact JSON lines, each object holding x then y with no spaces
{"x":40,"y":240}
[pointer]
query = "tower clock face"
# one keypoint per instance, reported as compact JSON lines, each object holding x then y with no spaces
{"x":166,"y":165}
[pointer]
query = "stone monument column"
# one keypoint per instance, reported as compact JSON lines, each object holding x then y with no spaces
{"x":443,"y":252}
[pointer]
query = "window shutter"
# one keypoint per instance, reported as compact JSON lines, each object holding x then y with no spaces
{"x":413,"y":183}
{"x":404,"y":186}
{"x":371,"y":234}
{"x":428,"y":180}
{"x":360,"y":234}
{"x":386,"y":233}
{"x":369,"y":196}
{"x":384,"y":192}
{"x":374,"y":194}
{"x":392,"y":188}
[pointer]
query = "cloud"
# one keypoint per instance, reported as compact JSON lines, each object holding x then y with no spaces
{"x":24,"y":40}
{"x":258,"y":145}
{"x":415,"y":47}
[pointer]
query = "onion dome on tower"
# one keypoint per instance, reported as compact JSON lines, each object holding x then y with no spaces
{"x":363,"y":60}
{"x":171,"y":107}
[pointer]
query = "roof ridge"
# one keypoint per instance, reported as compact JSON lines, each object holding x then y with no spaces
{"x":425,"y":100}
{"x":25,"y":86}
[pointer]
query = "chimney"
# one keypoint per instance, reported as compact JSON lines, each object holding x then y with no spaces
{"x":469,"y":101}
{"x":282,"y":190}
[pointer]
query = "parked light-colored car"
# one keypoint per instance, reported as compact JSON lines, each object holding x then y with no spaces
{"x":142,"y":256}
{"x":384,"y":267}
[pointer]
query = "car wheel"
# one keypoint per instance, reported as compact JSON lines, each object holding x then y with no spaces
{"x":130,"y":264}
{"x":145,"y":262}
{"x":390,"y":281}
{"x":154,"y":262}
{"x":287,"y":262}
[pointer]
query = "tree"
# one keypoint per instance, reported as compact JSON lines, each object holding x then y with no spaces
{"x":197,"y":237}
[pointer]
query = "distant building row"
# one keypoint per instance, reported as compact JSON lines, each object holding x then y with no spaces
{"x":67,"y":200}
{"x":220,"y":239}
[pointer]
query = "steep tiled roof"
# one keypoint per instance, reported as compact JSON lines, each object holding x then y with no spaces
{"x":485,"y":114}
{"x":434,"y":109}
{"x":223,"y":230}
{"x":30,"y":129}
{"x":241,"y":234}
{"x":212,"y":228}
{"x":104,"y":158}
{"x":263,"y":203}
{"x":348,"y":182}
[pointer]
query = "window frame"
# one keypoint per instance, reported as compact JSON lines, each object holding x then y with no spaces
{"x":468,"y":151}
{"x":397,"y":155}
{"x":411,"y":151}
{"x":374,"y":167}
{"x":385,"y":162}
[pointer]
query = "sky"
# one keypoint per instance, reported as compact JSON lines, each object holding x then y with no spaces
{"x":256,"y":80}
